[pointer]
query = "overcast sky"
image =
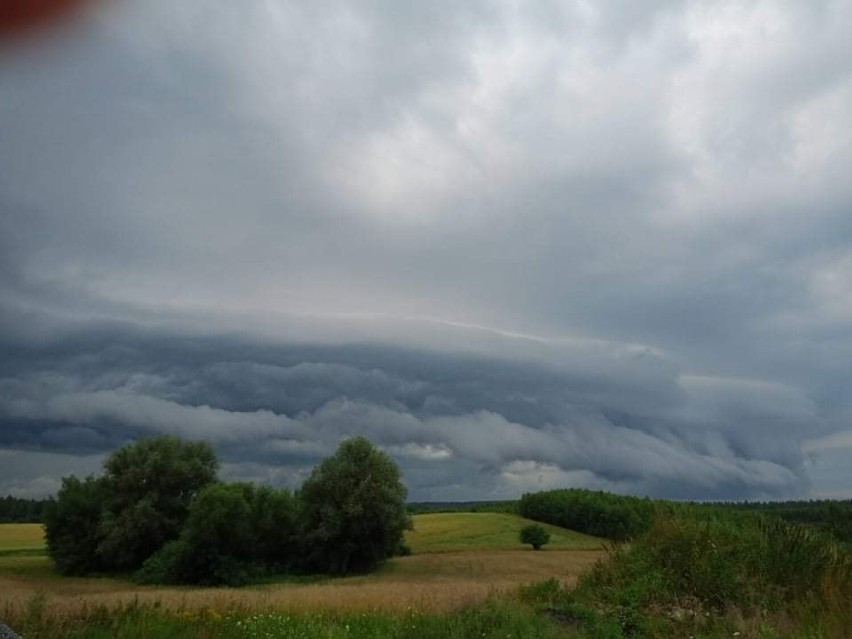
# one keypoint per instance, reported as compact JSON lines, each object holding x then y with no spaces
{"x":519,"y":245}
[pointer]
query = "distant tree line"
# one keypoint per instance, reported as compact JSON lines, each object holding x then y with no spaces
{"x":158,"y":510}
{"x":620,"y":517}
{"x":598,"y":513}
{"x":502,"y":506}
{"x":20,"y":510}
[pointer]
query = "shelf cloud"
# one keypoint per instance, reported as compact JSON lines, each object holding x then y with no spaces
{"x":516,"y":246}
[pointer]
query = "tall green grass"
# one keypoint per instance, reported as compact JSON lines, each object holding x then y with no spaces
{"x":495,"y":619}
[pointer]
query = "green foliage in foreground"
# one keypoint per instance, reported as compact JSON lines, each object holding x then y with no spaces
{"x":495,"y":619}
{"x":710,"y":576}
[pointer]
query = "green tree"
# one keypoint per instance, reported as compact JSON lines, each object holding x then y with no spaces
{"x":72,"y":525}
{"x":275,"y":518}
{"x":353,"y":509}
{"x":534,"y":535}
{"x":148,"y":486}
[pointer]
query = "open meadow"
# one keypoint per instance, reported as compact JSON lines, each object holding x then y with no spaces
{"x":458,"y":560}
{"x":463,"y":531}
{"x":695,"y":571}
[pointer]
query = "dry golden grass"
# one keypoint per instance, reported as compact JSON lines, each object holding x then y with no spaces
{"x":430,"y":583}
{"x":465,"y":558}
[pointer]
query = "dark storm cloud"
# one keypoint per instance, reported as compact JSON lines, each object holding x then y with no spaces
{"x":565,"y":243}
{"x":469,"y":425}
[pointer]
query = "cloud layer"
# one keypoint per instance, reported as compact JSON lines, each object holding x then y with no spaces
{"x":519,"y":246}
{"x":462,"y":425}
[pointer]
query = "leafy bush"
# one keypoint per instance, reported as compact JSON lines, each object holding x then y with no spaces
{"x":546,"y":591}
{"x":691,"y":569}
{"x":231,"y":533}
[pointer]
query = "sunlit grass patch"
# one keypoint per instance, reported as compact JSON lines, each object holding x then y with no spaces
{"x":21,"y":538}
{"x":448,"y":532}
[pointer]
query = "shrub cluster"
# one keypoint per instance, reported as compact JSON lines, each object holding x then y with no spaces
{"x":115,"y":521}
{"x":231,"y":533}
{"x":601,"y":514}
{"x":696,"y":572}
{"x":159,"y":511}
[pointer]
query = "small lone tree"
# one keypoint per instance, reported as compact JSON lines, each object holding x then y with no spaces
{"x":534,"y":535}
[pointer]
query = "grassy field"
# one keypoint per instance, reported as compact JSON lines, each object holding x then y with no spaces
{"x":469,"y":578}
{"x":21,"y":539}
{"x":454,"y":532}
{"x":460,"y":560}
